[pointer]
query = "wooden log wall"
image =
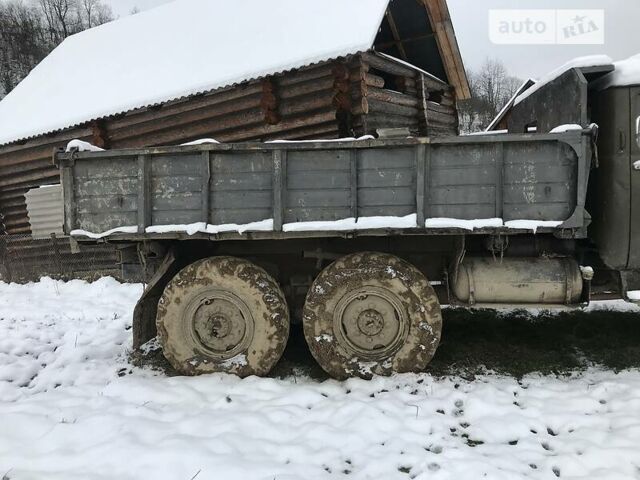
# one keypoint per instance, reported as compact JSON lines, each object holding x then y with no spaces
{"x":354,"y":96}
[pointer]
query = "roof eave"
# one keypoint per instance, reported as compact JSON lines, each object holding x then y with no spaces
{"x":442,"y":26}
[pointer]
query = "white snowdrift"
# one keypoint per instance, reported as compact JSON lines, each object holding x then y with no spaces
{"x":66,"y":414}
{"x":566,"y":128}
{"x":202,"y":141}
{"x":82,"y":146}
{"x":627,"y":73}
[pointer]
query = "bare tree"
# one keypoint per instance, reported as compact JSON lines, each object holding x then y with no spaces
{"x":60,"y":18}
{"x":23,"y":42}
{"x":29,"y":31}
{"x":94,"y":13}
{"x":491,"y":88}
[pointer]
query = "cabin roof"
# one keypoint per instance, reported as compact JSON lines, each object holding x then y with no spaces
{"x":189,"y":47}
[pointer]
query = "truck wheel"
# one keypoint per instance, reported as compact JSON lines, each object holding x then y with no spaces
{"x":223,"y":314}
{"x":372,"y":314}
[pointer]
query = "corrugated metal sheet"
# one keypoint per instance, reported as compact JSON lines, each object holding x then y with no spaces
{"x":46,"y":211}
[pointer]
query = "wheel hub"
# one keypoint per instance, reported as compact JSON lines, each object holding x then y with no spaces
{"x":371,"y":322}
{"x":220,"y":323}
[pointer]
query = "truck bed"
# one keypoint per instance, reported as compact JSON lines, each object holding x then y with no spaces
{"x":366,"y":187}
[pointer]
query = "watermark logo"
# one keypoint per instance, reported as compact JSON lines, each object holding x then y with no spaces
{"x":547,"y":27}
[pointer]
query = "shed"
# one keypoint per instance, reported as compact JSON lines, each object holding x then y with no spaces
{"x":233,"y":70}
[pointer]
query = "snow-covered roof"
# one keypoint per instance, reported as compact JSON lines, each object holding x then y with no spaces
{"x":627,"y":73}
{"x":182,"y":48}
{"x":580,"y":62}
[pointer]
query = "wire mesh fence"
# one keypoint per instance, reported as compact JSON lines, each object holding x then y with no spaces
{"x":24,"y":258}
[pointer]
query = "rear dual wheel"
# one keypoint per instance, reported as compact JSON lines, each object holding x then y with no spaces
{"x":366,"y":314}
{"x":223,"y":314}
{"x":372,"y":314}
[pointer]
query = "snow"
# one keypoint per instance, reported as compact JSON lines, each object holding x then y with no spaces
{"x":330,"y":140}
{"x":82,"y":146}
{"x":344,"y":225}
{"x":108,"y":233}
{"x":580,"y":62}
{"x":634,"y":295}
{"x":351,"y":224}
{"x":636,"y":165}
{"x":463,"y":224}
{"x":627,"y":73}
{"x":202,"y":141}
{"x":532,"y":225}
{"x":192,"y":229}
{"x":566,"y":128}
{"x":72,"y":407}
{"x":178,"y":49}
{"x":486,"y":132}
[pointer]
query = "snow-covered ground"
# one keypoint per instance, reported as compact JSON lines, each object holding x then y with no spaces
{"x":71,"y":407}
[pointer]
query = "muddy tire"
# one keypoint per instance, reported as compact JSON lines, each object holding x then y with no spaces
{"x":223,"y":314}
{"x":372,"y":314}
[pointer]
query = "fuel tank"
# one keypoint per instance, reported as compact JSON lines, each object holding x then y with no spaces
{"x":544,"y":281}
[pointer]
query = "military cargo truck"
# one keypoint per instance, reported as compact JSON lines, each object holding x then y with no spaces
{"x":362,"y":241}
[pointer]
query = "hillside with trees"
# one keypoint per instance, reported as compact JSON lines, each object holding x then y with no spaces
{"x":30,"y":30}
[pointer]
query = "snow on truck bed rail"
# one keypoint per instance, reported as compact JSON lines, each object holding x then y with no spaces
{"x":344,"y":225}
{"x":71,"y":407}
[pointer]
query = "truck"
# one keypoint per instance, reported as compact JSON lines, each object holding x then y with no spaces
{"x":361,"y":241}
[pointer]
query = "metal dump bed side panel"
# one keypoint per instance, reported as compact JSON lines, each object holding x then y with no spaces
{"x":514,"y":177}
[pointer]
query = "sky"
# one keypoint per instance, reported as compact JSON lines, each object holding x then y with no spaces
{"x":471,"y":21}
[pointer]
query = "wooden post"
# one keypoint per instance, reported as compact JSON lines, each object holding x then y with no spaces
{"x":269,"y":102}
{"x":100,"y":137}
{"x":423,"y":116}
{"x":342,"y":99}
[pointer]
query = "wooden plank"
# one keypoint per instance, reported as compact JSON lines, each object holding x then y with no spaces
{"x":392,"y":97}
{"x":388,"y":66}
{"x":379,"y":106}
{"x":396,"y":35}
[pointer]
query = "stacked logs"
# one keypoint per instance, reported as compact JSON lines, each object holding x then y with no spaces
{"x":351,"y":96}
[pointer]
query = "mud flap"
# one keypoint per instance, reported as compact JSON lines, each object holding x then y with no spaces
{"x":144,"y":315}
